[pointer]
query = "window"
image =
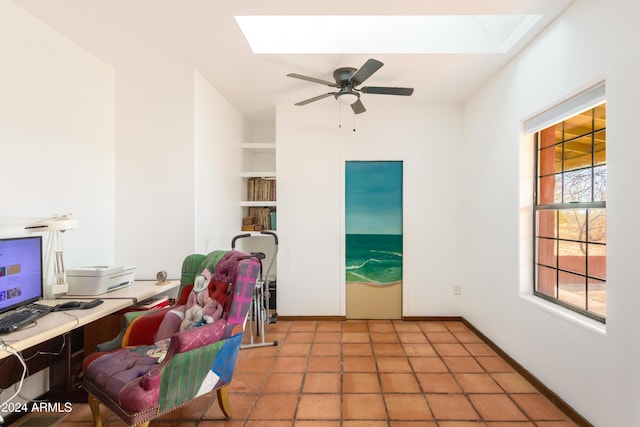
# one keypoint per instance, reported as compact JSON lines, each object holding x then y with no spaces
{"x":570,"y":193}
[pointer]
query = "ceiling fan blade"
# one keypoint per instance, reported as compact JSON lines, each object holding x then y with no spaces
{"x":405,"y":91}
{"x":311,"y":79}
{"x":358,"y":107}
{"x":315,"y":98}
{"x":369,"y":67}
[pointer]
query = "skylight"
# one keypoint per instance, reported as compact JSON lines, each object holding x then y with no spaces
{"x":445,"y":34}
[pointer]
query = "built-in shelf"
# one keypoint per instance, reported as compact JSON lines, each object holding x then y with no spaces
{"x":259,"y":161}
{"x":258,"y":204}
{"x":257,"y":233}
{"x":258,"y":146}
{"x":258,"y":174}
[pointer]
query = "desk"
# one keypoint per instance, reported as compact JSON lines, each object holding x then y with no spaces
{"x":61,"y":322}
{"x":141,"y":290}
{"x":60,"y":340}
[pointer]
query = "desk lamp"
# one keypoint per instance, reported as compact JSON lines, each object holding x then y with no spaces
{"x":54,"y":272}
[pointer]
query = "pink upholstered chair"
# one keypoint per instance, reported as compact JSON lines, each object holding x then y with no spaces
{"x":138,"y":386}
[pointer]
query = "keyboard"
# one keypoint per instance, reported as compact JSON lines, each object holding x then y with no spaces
{"x":22,"y":316}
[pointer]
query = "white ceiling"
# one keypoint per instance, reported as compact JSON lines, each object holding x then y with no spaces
{"x":204,"y":34}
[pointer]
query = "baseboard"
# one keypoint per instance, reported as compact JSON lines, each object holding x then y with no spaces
{"x":343,"y":318}
{"x":310,"y":318}
{"x":432,"y":319}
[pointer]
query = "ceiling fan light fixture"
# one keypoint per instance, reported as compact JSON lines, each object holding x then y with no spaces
{"x":347,"y":98}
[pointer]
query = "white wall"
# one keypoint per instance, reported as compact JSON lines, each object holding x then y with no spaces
{"x":592,"y":367}
{"x":218,"y":134}
{"x":311,"y":151}
{"x":56,"y":136}
{"x":177,"y":163}
{"x":155,"y":191}
{"x":57,"y":142}
{"x":145,"y":154}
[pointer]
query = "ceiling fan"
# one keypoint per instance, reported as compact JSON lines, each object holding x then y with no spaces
{"x":346,"y":81}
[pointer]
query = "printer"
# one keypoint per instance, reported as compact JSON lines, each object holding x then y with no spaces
{"x":97,"y":280}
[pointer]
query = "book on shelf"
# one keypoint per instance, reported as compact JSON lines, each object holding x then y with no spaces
{"x":262,"y":217}
{"x":252,"y":227}
{"x":261,"y":189}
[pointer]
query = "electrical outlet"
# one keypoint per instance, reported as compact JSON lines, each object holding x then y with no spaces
{"x":457,"y":289}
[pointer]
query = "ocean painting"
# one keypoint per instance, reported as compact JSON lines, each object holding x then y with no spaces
{"x":375,"y":259}
{"x":373,"y":240}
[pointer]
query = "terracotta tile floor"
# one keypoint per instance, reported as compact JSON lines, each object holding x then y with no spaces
{"x":366,"y":373}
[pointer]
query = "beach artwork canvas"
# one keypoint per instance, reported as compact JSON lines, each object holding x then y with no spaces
{"x":373,"y":240}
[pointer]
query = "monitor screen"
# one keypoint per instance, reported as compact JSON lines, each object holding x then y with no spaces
{"x":20,"y":271}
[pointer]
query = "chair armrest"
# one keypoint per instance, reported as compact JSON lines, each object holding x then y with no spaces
{"x":191,"y":340}
{"x":197,"y":337}
{"x":142,"y":326}
{"x":116,"y":342}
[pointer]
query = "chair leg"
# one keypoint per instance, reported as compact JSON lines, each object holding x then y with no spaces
{"x":223,"y":401}
{"x":94,"y":404}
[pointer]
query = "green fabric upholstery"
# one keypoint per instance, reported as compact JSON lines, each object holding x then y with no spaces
{"x":190,"y":268}
{"x":210,"y":261}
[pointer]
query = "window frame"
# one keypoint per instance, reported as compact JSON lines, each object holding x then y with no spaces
{"x":586,"y":207}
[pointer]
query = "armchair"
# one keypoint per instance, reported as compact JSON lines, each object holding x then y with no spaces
{"x":142,"y":379}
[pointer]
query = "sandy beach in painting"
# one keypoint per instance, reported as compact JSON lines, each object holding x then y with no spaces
{"x":375,"y":285}
{"x":374,"y":301}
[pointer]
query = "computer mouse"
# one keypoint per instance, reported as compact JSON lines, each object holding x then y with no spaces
{"x":68,"y":305}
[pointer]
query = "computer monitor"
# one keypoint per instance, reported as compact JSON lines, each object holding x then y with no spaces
{"x":20,"y":271}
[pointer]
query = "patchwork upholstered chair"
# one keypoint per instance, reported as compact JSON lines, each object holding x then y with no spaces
{"x":149,"y":374}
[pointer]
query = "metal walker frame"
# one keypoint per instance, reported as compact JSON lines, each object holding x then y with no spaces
{"x":261,"y":294}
